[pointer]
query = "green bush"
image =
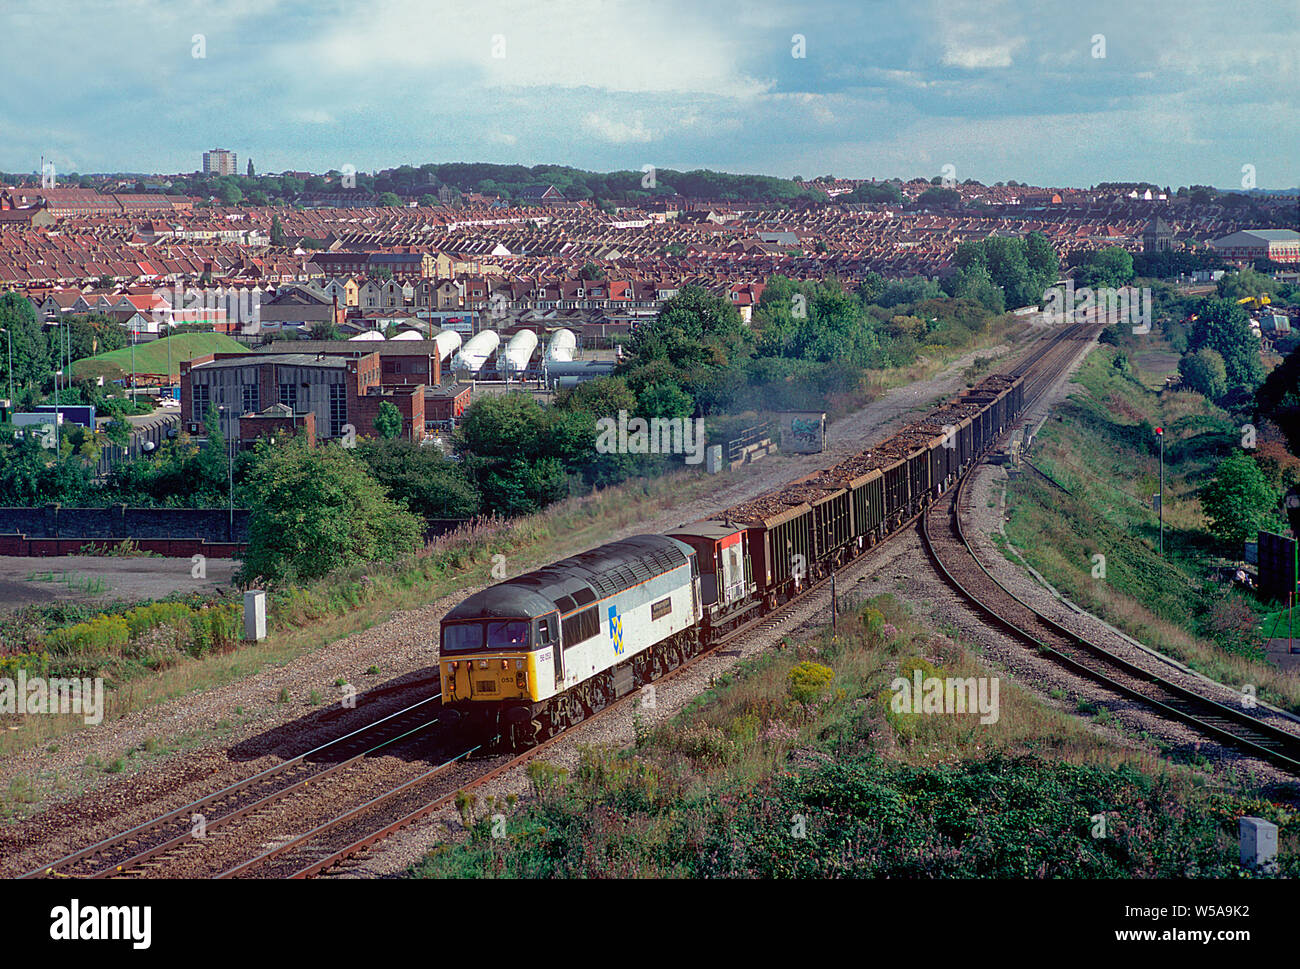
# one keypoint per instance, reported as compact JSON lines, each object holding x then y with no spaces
{"x":808,"y":682}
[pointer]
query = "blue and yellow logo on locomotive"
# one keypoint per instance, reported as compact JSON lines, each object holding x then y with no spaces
{"x":616,"y":630}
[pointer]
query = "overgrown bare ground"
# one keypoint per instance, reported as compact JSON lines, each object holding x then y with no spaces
{"x":165,"y":756}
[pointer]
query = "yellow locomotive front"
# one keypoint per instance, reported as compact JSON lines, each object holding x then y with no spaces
{"x":492,"y":661}
{"x":498,"y":653}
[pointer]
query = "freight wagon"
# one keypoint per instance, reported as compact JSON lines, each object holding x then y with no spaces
{"x":537,"y":652}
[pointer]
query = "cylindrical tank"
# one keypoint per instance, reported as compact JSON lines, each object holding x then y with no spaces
{"x":561,"y":347}
{"x":475,"y":353}
{"x":448,"y":342}
{"x":514,"y":360}
{"x":569,"y":373}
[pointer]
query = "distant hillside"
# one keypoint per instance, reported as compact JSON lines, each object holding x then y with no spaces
{"x":151,"y":358}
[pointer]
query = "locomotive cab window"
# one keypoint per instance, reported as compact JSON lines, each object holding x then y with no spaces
{"x":460,"y":637}
{"x":547,"y":627}
{"x":511,"y":634}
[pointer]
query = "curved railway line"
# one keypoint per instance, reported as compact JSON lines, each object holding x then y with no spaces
{"x":149,"y":848}
{"x":951,"y":553}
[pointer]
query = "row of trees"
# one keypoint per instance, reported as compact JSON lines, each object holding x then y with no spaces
{"x":1020,"y":268}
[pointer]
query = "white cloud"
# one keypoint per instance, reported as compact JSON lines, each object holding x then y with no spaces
{"x":314,"y":116}
{"x":996,"y":55}
{"x":617,"y":131}
{"x":619,"y":46}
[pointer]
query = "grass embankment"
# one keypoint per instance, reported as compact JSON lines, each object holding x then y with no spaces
{"x":749,"y":781}
{"x":1100,"y":444}
{"x":151,"y":358}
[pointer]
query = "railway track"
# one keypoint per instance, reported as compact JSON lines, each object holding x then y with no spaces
{"x":354,"y":831}
{"x":149,"y":847}
{"x":950,"y":552}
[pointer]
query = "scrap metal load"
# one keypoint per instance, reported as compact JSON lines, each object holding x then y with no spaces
{"x":802,"y":531}
{"x":743,"y":562}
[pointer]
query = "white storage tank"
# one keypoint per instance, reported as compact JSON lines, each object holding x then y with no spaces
{"x":475,"y":353}
{"x":448,"y":342}
{"x":561,"y":347}
{"x":514,"y":361}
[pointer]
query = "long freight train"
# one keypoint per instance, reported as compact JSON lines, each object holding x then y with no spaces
{"x":543,"y":650}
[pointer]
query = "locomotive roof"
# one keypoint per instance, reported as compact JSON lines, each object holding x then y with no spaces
{"x":715,"y":530}
{"x":576,"y":581}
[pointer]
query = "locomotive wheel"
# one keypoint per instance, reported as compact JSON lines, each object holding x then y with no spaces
{"x":525,"y":735}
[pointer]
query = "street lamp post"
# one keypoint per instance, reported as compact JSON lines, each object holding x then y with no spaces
{"x":58,"y":366}
{"x":133,"y":332}
{"x":230,"y":475}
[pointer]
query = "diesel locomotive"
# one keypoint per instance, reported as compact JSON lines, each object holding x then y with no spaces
{"x":536,"y":653}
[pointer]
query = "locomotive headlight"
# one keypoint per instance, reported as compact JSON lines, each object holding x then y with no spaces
{"x":505,"y":664}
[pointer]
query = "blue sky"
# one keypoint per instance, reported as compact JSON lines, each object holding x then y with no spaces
{"x":1187,"y":92}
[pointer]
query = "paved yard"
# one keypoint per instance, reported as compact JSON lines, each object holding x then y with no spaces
{"x":93,"y":578}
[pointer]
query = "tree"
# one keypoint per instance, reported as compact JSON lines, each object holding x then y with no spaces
{"x":1204,"y":372}
{"x":591,"y":271}
{"x":1224,"y":327}
{"x":518,"y":453}
{"x":974,"y":282}
{"x":1247,"y":282}
{"x":388,"y":422}
{"x":1278,"y":399}
{"x":938,"y":198}
{"x":874,"y":193}
{"x":390,"y":200}
{"x":911,"y":290}
{"x":277,"y":231}
{"x":665,"y":400}
{"x":697,"y":336}
{"x":317,"y":510}
{"x":324,"y":330}
{"x":428,"y":201}
{"x":230,"y":194}
{"x":869,"y":290}
{"x":30,"y":475}
{"x":426,"y":480}
{"x":1044,"y":263}
{"x":31,"y":349}
{"x":1239,"y":501}
{"x":1111,"y":267}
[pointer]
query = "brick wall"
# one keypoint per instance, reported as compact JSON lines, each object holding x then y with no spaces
{"x":119,"y":521}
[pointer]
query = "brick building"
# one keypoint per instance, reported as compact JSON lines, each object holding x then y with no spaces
{"x":336,"y":390}
{"x":278,"y":419}
{"x":1279,"y":245}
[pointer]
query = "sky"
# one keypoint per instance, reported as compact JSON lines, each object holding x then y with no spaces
{"x":1186,"y":92}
